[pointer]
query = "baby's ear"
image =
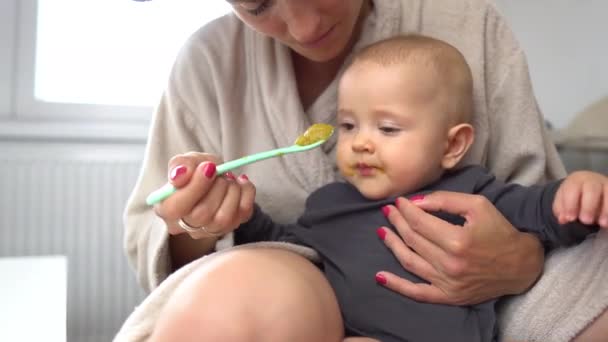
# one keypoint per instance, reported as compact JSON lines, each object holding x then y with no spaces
{"x":460,"y":139}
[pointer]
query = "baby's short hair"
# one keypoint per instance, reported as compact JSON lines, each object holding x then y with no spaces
{"x":442,"y":60}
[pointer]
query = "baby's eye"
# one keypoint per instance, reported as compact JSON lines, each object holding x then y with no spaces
{"x":346,"y":126}
{"x":389,"y":129}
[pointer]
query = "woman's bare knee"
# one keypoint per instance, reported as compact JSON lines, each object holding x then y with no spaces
{"x":256,"y":295}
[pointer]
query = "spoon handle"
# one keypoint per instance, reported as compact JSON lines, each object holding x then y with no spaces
{"x":160,"y":194}
{"x":168,"y":189}
{"x":252,"y":158}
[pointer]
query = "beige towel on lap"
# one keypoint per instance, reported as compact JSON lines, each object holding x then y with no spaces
{"x":571,"y":293}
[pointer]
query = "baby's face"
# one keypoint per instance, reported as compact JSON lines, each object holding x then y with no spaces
{"x":392,"y":132}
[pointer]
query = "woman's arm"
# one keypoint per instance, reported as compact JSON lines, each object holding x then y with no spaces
{"x":146,"y":235}
{"x":186,"y":119}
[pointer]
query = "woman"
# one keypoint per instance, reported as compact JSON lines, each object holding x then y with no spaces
{"x":254,"y":81}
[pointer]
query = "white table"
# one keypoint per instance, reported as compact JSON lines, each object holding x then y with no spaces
{"x":33,"y":294}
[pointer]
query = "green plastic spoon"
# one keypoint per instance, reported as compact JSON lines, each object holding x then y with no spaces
{"x":314,"y":136}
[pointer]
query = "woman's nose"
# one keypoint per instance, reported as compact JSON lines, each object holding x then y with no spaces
{"x":302,"y":20}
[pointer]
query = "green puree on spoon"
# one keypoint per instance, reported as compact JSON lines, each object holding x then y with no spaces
{"x":314,"y":136}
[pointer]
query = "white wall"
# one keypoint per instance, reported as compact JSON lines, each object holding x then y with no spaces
{"x":566,"y":42}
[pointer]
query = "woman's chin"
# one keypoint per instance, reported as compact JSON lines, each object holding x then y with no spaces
{"x":321,"y":54}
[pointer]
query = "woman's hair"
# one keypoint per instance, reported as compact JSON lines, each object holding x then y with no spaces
{"x":442,"y":60}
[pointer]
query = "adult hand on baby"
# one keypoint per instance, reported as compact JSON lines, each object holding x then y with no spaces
{"x":219,"y":204}
{"x":465,"y":265}
{"x":582,"y":196}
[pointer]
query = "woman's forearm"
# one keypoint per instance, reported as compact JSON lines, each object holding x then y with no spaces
{"x":184,"y":249}
{"x":523,"y":265}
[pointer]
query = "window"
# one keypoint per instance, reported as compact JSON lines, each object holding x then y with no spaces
{"x":92,"y":61}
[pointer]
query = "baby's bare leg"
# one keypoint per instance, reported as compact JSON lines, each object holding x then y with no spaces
{"x":252,"y":295}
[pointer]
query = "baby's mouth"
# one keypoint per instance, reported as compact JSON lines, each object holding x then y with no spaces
{"x":365,"y":170}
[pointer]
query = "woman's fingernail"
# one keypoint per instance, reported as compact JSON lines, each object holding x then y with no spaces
{"x":209,"y":170}
{"x":230,"y":176}
{"x":381,"y":233}
{"x":178,"y":171}
{"x":244,"y":177}
{"x":397,"y":203}
{"x":380,"y":279}
{"x":386,"y":210}
{"x":417,"y":198}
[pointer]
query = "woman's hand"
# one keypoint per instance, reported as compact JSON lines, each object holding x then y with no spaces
{"x":219,"y":204}
{"x":465,"y":265}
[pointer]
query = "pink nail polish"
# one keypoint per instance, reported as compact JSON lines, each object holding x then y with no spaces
{"x":415,"y":198}
{"x":209,"y":170}
{"x":230,"y":176}
{"x":381,"y":233}
{"x":397,"y":203}
{"x":380,"y":279}
{"x":244,"y":176}
{"x":178,"y":171}
{"x":386,"y":210}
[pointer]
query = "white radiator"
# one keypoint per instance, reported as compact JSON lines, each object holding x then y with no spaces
{"x":68,"y":199}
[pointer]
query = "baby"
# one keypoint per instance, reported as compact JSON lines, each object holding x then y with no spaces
{"x":404,"y":125}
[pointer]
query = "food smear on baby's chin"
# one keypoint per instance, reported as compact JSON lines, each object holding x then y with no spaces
{"x":315,"y":133}
{"x":349,"y":172}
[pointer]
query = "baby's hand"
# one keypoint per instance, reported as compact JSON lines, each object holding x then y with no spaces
{"x":583,"y":195}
